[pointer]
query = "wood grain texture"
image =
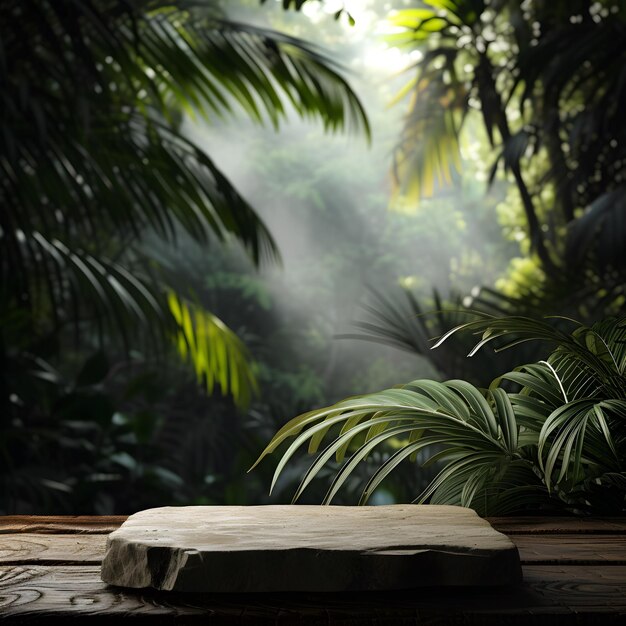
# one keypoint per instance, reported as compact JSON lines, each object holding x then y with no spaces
{"x":559,"y":525}
{"x":574,"y":549}
{"x":61,"y":524}
{"x":36,"y":548}
{"x":548,"y":549}
{"x":551,"y":595}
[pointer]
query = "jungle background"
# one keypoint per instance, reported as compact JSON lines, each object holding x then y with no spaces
{"x":150,"y":206}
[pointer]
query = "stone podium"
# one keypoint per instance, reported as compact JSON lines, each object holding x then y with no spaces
{"x":308,"y":548}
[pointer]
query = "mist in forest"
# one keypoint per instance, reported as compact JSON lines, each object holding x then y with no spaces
{"x":326,"y":199}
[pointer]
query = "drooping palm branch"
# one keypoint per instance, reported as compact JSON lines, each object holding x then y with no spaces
{"x":398,"y":318}
{"x":456,"y":68}
{"x":427,"y":154}
{"x":92,"y":154}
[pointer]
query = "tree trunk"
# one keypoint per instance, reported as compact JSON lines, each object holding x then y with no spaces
{"x":493,"y":112}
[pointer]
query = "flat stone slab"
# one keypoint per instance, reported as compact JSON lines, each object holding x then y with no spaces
{"x":308,"y":548}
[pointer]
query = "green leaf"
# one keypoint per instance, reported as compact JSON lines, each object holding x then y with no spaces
{"x":218,"y":356}
{"x":506,"y":417}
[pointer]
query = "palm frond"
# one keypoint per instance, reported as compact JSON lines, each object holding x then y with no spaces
{"x":501,"y":451}
{"x":218,"y":356}
{"x":397,"y":318}
{"x":428,"y":153}
{"x":115,"y":157}
{"x":113,"y":298}
{"x":577,"y":434}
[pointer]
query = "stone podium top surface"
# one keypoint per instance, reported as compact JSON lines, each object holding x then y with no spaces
{"x":286,"y":527}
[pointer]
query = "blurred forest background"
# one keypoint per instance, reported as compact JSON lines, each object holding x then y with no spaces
{"x":218,"y":215}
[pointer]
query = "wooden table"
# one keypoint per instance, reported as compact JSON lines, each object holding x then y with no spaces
{"x":574,"y":573}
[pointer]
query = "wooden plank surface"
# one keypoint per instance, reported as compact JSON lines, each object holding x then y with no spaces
{"x":574,"y":573}
{"x":33,"y":548}
{"x":560,"y":592}
{"x":571,"y":549}
{"x":61,"y":524}
{"x":559,"y":525}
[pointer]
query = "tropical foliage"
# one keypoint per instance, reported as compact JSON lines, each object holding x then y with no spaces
{"x":550,"y":119}
{"x":550,"y":114}
{"x":96,"y":165}
{"x":556,"y":441}
{"x":132,"y":138}
{"x":398,"y":318}
{"x":93,"y":155}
